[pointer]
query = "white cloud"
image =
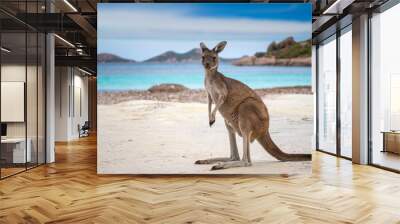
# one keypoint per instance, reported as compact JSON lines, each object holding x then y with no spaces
{"x":157,"y":24}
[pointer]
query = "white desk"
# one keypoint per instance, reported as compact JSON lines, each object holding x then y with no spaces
{"x":19,"y":155}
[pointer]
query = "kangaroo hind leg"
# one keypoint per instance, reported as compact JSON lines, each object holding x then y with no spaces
{"x":249,"y":124}
{"x":233,"y":146}
{"x":241,"y":163}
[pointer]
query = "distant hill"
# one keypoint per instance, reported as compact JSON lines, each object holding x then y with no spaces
{"x":193,"y":55}
{"x":287,"y":52}
{"x":112,"y":58}
{"x":287,"y":48}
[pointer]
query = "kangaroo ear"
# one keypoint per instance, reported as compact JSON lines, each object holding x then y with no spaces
{"x":220,"y":46}
{"x":203,"y":46}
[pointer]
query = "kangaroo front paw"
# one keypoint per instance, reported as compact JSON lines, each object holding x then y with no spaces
{"x":211,"y":119}
{"x":211,"y":122}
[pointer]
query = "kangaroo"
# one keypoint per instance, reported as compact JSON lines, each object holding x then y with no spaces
{"x":243,"y":111}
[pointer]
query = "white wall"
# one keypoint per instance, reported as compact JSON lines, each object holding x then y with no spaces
{"x":33,"y":126}
{"x":12,"y":73}
{"x":80,"y":109}
{"x":70,"y":84}
{"x":62,"y":83}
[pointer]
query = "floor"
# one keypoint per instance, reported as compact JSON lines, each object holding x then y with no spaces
{"x":70,"y":191}
{"x":387,"y":159}
{"x":5,"y":172}
{"x":10,"y":171}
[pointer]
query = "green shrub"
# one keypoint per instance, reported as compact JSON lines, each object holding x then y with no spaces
{"x":289,"y":48}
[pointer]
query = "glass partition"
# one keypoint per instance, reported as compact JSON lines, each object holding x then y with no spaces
{"x":13,"y":109}
{"x":385,"y":89}
{"x":346,"y":92}
{"x":22,"y":77}
{"x":327,"y":95}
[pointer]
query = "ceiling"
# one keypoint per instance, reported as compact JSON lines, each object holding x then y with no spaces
{"x":330,"y":15}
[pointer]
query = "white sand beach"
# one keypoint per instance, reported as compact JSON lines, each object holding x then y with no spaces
{"x":154,"y":137}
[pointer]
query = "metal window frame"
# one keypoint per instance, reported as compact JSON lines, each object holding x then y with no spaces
{"x":387,"y":5}
{"x":381,"y":9}
{"x":340,"y":29}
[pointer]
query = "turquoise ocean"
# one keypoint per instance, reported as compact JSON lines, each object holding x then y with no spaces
{"x":141,"y":76}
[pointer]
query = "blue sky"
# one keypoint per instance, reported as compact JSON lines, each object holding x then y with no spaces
{"x":141,"y":31}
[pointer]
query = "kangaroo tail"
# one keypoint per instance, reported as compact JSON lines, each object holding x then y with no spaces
{"x":273,"y":149}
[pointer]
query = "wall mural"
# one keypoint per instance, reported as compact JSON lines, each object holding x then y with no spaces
{"x":204,"y":89}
